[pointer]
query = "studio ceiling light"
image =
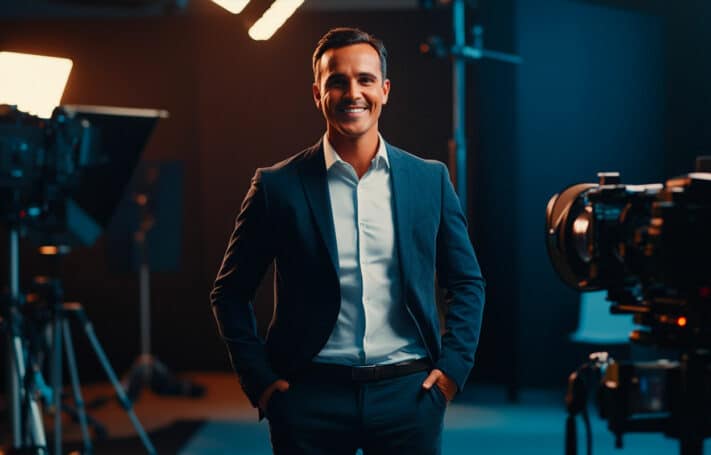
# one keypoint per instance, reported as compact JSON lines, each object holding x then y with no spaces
{"x":233,"y":6}
{"x":273,"y":18}
{"x":33,"y":83}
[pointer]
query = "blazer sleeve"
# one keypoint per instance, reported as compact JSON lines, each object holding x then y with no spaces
{"x":249,"y":252}
{"x":459,"y":275}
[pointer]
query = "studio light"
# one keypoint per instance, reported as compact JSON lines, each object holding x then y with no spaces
{"x":273,"y":18}
{"x":33,"y":83}
{"x":233,"y":6}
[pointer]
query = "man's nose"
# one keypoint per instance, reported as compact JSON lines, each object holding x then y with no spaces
{"x":353,"y":90}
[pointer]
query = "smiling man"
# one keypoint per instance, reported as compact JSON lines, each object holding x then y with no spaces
{"x":357,"y":230}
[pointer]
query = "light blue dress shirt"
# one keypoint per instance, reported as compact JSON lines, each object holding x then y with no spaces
{"x":374,"y":326}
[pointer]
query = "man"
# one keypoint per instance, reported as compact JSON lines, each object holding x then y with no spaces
{"x":357,"y":231}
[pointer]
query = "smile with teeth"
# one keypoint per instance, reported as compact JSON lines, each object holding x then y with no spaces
{"x":353,"y":110}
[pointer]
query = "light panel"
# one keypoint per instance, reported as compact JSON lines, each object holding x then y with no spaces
{"x":233,"y":6}
{"x":273,"y":18}
{"x":34,"y":83}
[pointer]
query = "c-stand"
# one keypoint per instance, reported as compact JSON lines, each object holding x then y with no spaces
{"x":147,"y":370}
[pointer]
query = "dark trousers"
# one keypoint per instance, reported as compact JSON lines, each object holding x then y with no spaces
{"x":392,"y":416}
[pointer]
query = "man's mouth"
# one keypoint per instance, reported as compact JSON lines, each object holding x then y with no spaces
{"x":353,"y":109}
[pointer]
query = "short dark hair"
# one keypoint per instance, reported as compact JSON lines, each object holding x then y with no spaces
{"x":347,"y":36}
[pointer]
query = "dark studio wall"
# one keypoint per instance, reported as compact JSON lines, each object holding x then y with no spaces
{"x":688,"y":91}
{"x":493,"y":212}
{"x":590,"y":97}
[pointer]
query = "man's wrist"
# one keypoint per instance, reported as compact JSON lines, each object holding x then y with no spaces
{"x":278,"y":385}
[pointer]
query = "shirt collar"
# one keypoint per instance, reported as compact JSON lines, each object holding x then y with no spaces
{"x":332,"y":157}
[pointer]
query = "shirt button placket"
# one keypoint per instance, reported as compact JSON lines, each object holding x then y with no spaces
{"x":362,"y":263}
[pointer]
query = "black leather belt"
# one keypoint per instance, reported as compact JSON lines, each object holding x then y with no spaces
{"x":366,"y":373}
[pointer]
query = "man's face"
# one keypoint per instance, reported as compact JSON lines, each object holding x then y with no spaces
{"x":350,"y":90}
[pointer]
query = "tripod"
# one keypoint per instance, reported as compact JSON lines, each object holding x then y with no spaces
{"x":62,"y":336}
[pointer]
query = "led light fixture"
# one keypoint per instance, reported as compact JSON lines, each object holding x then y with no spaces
{"x":33,"y":83}
{"x":273,"y":18}
{"x":233,"y":6}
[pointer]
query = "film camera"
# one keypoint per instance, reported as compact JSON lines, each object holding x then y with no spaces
{"x":649,"y":246}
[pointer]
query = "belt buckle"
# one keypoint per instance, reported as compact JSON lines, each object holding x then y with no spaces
{"x":364,"y":373}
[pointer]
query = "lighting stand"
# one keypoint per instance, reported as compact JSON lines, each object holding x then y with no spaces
{"x":147,"y":370}
{"x":460,"y":54}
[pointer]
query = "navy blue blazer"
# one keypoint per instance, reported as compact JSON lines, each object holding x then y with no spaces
{"x":286,"y":219}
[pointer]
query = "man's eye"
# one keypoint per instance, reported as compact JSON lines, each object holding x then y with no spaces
{"x":336,"y":83}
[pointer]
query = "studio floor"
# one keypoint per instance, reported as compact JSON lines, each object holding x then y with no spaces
{"x":481,"y":421}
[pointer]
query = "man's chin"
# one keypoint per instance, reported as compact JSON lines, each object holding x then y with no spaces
{"x":353,"y":133}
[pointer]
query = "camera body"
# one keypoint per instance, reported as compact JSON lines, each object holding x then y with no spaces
{"x":648,"y":245}
{"x":607,"y":235}
{"x":40,"y":164}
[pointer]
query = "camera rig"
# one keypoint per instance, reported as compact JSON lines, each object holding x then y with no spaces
{"x":60,"y":180}
{"x":649,"y":247}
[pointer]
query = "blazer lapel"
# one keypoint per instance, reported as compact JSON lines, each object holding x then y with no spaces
{"x":315,"y":182}
{"x":400,"y":178}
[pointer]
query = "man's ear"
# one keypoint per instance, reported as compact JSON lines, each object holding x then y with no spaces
{"x":386,"y":90}
{"x":317,"y":95}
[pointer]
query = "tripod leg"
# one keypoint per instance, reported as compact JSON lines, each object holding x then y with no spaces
{"x":18,"y":393}
{"x":138,"y":376}
{"x":125,"y":402}
{"x":35,"y":423}
{"x":57,"y":379}
{"x":13,"y":394}
{"x":76,"y":391}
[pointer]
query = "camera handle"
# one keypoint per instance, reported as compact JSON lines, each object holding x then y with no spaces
{"x":576,"y":400}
